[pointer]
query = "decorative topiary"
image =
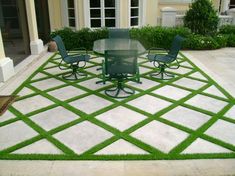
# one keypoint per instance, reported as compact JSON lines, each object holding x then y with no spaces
{"x":201,"y":17}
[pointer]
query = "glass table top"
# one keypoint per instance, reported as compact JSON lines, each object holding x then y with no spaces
{"x":100,"y":46}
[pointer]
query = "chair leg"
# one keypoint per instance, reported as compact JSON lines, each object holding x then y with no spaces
{"x":75,"y":74}
{"x":116,"y":92}
{"x":161,"y":74}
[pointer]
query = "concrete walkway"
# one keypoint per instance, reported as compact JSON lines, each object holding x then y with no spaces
{"x":219,"y":64}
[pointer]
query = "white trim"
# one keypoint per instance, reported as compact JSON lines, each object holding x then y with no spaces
{"x":64,"y":13}
{"x":76,"y":15}
{"x":117,"y":13}
{"x":86,"y":7}
{"x":6,"y":69}
{"x":143,"y":13}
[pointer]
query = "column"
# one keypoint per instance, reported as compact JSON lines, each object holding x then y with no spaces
{"x":36,"y":44}
{"x":6,"y":64}
{"x":225,"y":5}
{"x":168,"y":17}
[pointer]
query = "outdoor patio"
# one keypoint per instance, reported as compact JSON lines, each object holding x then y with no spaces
{"x":187,"y":117}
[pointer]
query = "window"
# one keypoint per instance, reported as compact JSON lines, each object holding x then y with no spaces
{"x":71,"y":13}
{"x":102,"y":13}
{"x":134,"y":12}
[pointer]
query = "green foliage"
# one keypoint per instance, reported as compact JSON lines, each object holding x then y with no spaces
{"x":201,"y":18}
{"x":221,"y":40}
{"x":149,"y":36}
{"x":81,"y":38}
{"x":157,"y":36}
{"x":198,"y":42}
{"x":231,"y":40}
{"x":227,"y":29}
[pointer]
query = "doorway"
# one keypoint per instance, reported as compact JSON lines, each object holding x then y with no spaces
{"x":14,"y":28}
{"x":232,"y":4}
{"x":43,"y":22}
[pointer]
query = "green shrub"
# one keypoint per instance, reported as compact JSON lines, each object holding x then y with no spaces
{"x":157,"y":36}
{"x":231,"y":40}
{"x":199,"y":42}
{"x":149,"y":36}
{"x":201,"y":17}
{"x":227,"y":29}
{"x":221,"y":40}
{"x":81,"y":38}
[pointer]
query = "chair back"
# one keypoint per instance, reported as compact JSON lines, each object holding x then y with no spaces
{"x":60,"y":46}
{"x":119,"y":33}
{"x":175,"y":46}
{"x":120,"y":62}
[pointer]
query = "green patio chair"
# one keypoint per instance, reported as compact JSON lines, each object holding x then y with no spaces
{"x":120,"y":65}
{"x":73,"y":60}
{"x":119,"y":33}
{"x":161,"y":61}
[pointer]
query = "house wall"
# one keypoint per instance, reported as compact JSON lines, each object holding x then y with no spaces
{"x":81,"y":18}
{"x":55,"y":15}
{"x":177,"y":6}
{"x":124,"y":21}
{"x":152,"y":12}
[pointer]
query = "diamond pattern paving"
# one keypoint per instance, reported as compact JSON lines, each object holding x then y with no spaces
{"x":174,"y":119}
{"x":190,"y":83}
{"x":33,"y":103}
{"x":207,"y":103}
{"x":121,"y":118}
{"x":126,"y":148}
{"x":86,"y":134}
{"x":161,"y":136}
{"x":231,"y":113}
{"x":15,"y":133}
{"x":53,"y":118}
{"x":6,"y":116}
{"x":186,"y":117}
{"x":205,"y":147}
{"x":172,"y":92}
{"x":66,"y":93}
{"x":90,"y":104}
{"x":154,"y":104}
{"x":40,"y":147}
{"x":223,"y":130}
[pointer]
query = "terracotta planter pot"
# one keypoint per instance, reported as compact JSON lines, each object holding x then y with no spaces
{"x":52,"y":47}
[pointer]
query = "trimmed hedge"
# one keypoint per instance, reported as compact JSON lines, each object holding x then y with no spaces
{"x":151,"y":37}
{"x":227,"y":29}
{"x":81,"y":38}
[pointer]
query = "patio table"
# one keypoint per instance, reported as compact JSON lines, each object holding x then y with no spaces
{"x":100,"y":46}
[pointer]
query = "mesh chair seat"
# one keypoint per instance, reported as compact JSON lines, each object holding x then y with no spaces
{"x":77,"y":58}
{"x":160,"y":58}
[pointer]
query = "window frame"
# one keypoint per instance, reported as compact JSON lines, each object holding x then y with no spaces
{"x":87,"y":14}
{"x":141,"y":14}
{"x":65,"y":14}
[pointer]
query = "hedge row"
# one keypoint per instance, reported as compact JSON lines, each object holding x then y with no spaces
{"x":151,"y":37}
